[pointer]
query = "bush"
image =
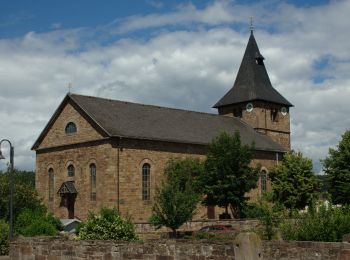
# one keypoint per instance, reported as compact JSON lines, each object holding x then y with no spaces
{"x":325,"y":224}
{"x":107,"y":225}
{"x":36,"y":223}
{"x":4,"y":237}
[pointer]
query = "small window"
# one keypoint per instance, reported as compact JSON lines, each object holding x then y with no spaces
{"x":237,"y":112}
{"x":71,"y":170}
{"x":146,"y":182}
{"x":51,"y":184}
{"x":263,"y":181}
{"x":274,"y":115}
{"x":93,"y":182}
{"x":71,"y":128}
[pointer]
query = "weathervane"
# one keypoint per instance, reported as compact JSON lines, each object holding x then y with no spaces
{"x":251,"y":24}
{"x":69,"y":87}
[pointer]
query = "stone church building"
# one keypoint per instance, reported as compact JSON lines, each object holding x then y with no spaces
{"x":97,"y":152}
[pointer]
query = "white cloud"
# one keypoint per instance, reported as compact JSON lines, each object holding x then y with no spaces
{"x":190,"y":68}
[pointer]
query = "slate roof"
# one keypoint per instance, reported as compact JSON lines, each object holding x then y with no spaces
{"x":252,"y":81}
{"x":139,"y":121}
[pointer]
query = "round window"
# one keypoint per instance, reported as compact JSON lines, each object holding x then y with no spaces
{"x":284,"y":111}
{"x":249,"y":107}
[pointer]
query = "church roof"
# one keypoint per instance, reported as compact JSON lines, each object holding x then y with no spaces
{"x":252,"y":81}
{"x":131,"y":120}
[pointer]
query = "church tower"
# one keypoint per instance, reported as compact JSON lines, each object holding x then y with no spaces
{"x":253,"y":99}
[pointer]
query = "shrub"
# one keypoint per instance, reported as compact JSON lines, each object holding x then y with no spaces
{"x":107,"y":225}
{"x":4,"y":237}
{"x":325,"y":224}
{"x":36,"y":223}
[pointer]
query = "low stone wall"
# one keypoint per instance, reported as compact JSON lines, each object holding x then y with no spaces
{"x":57,"y":248}
{"x":238,"y":225}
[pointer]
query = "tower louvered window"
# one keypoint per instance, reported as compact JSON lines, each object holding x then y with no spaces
{"x":146,"y":182}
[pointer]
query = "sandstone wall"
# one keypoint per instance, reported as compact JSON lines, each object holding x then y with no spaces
{"x":43,"y":248}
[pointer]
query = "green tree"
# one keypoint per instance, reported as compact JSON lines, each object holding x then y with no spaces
{"x":337,"y":168}
{"x":107,"y":225}
{"x":293,"y":182}
{"x":25,"y":195}
{"x":4,"y":237}
{"x":228,"y":175}
{"x":177,"y":199}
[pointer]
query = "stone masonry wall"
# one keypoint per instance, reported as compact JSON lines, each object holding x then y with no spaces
{"x":44,"y":248}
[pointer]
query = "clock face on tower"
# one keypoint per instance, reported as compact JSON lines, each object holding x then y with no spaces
{"x":249,"y":107}
{"x":284,"y":111}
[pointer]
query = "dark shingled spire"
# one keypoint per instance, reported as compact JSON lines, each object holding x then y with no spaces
{"x":252,"y":82}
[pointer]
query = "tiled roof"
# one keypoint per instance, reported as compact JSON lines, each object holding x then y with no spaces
{"x":131,"y":120}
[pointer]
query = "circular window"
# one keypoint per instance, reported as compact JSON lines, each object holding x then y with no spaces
{"x":284,"y":111}
{"x":249,"y":107}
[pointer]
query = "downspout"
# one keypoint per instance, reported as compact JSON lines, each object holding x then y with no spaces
{"x":277,"y":158}
{"x":118,"y":166}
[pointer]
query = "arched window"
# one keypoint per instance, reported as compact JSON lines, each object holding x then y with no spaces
{"x":71,"y":170}
{"x":51,"y":184}
{"x":93,"y":182}
{"x":71,"y":128}
{"x":146,"y":182}
{"x":263,"y":181}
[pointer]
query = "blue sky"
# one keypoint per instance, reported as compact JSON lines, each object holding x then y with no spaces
{"x":182,"y":54}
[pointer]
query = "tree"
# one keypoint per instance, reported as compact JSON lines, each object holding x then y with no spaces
{"x":227,"y":175}
{"x":107,"y":225}
{"x":177,"y":199}
{"x":25,"y":195}
{"x":337,"y":168}
{"x":293,"y":182}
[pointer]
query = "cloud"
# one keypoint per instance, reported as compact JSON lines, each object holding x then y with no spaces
{"x":188,"y":67}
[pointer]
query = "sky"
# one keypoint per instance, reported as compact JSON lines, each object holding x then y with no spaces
{"x":182,"y":54}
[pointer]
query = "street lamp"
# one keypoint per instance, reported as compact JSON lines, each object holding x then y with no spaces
{"x":11,"y":183}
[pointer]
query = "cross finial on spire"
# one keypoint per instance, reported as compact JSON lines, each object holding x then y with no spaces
{"x":251,"y":25}
{"x":69,"y":87}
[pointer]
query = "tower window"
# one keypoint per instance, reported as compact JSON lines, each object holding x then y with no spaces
{"x":263,"y":181}
{"x":93,"y":182}
{"x":237,"y":112}
{"x":274,"y":115}
{"x":70,"y":128}
{"x":51,"y":184}
{"x":146,"y":182}
{"x":71,"y":170}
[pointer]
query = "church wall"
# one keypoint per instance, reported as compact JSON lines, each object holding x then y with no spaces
{"x":57,"y":136}
{"x":132,"y":157}
{"x":103,"y":156}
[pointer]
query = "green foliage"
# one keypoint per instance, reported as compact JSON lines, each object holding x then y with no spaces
{"x":325,"y":224}
{"x":337,"y":167}
{"x":228,"y":175}
{"x":25,"y":195}
{"x":176,"y":201}
{"x":36,"y":223}
{"x":107,"y":225}
{"x":4,"y":237}
{"x":293,"y":183}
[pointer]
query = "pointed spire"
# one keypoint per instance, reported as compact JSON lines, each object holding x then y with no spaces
{"x":252,"y":81}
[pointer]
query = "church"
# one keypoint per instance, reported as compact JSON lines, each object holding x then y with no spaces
{"x":96,"y":152}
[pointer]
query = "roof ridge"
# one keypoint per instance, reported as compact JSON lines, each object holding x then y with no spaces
{"x":147,"y":105}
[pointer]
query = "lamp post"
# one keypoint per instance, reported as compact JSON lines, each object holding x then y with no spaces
{"x":11,"y":183}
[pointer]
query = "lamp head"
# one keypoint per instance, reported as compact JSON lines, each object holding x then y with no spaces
{"x":1,"y":156}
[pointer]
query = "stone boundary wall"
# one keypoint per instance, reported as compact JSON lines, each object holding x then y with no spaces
{"x":57,"y":248}
{"x":238,"y":225}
